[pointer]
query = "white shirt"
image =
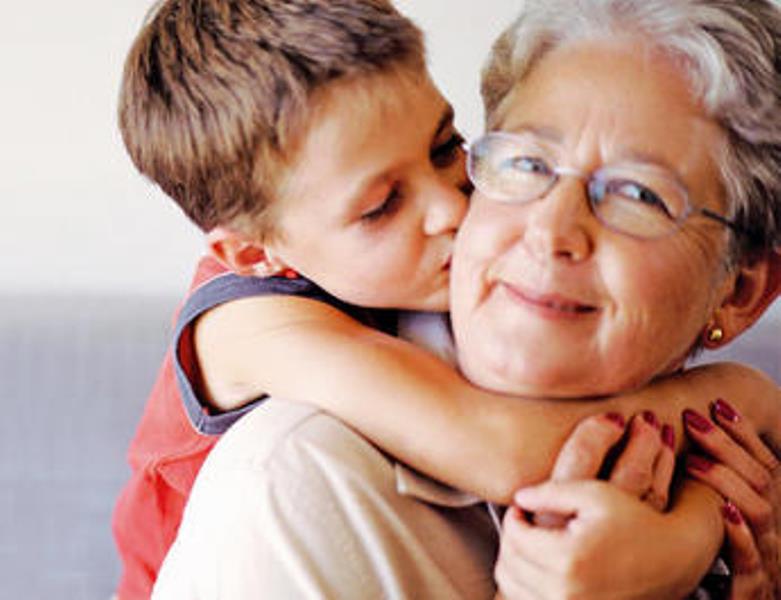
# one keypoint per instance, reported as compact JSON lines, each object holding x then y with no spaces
{"x":292,"y":503}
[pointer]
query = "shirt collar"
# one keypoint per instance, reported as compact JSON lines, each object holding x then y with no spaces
{"x":414,"y":484}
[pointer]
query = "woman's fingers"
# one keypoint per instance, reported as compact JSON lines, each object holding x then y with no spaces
{"x":749,"y":578}
{"x":582,"y":457}
{"x":514,"y":573}
{"x":738,"y":453}
{"x":646,"y":464}
{"x":643,"y":468}
{"x":744,"y":470}
{"x":664,"y":471}
{"x":730,"y":484}
{"x":744,"y":434}
{"x":585,"y":450}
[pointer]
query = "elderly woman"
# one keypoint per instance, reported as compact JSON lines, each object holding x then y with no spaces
{"x":627,"y":204}
{"x":604,"y":244}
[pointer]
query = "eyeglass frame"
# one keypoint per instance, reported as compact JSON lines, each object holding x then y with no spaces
{"x":588,"y":179}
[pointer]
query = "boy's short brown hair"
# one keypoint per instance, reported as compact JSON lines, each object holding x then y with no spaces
{"x":215,"y":93}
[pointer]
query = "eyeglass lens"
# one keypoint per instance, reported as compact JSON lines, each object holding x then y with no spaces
{"x":635,"y":199}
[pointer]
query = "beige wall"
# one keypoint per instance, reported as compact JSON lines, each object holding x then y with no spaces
{"x":75,"y":216}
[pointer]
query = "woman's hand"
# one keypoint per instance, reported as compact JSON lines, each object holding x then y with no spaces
{"x":575,"y":537}
{"x":750,"y":579}
{"x":745,"y":471}
{"x":613,"y":546}
{"x":643,"y":467}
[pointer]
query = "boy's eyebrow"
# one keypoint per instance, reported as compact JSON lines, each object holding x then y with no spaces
{"x":447,"y":118}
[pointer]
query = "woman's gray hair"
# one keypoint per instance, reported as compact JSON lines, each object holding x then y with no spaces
{"x":731,"y":50}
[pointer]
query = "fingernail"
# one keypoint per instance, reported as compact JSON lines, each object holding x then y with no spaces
{"x":698,"y":463}
{"x":616,"y":418}
{"x":723,"y":409}
{"x":696,"y":421}
{"x":649,"y":417}
{"x":668,"y":436}
{"x":731,"y":513}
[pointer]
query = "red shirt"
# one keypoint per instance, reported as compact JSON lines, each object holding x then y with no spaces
{"x":176,"y":432}
{"x":165,"y":456}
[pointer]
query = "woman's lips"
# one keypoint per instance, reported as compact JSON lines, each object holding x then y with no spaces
{"x":550,"y":305}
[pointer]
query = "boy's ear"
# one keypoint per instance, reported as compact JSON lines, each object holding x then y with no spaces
{"x":241,"y":254}
{"x":756,"y":285}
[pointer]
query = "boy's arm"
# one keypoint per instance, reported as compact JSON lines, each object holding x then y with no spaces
{"x":412,"y":404}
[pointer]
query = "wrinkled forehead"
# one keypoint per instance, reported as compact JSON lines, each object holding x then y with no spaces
{"x":598,"y":101}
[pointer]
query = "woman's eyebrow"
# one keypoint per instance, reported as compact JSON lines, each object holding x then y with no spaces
{"x":548,"y":134}
{"x":647,"y":159}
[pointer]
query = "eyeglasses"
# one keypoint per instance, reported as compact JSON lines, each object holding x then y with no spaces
{"x":639,"y":200}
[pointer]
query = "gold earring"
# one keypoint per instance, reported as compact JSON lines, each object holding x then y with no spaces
{"x":715,"y":334}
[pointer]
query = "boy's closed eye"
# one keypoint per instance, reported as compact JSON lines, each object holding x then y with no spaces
{"x":385,"y":207}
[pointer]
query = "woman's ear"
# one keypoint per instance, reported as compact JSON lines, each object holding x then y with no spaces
{"x":757,"y":284}
{"x":241,"y":254}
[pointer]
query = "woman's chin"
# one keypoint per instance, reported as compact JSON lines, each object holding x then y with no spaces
{"x":524,"y":377}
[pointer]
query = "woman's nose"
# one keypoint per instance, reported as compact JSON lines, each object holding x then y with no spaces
{"x":559,"y":225}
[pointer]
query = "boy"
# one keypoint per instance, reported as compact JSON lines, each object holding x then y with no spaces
{"x":227,"y":107}
{"x":306,"y":138}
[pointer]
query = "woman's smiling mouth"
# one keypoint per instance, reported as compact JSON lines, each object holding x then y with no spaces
{"x":548,"y":304}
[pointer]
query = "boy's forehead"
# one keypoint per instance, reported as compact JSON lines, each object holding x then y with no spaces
{"x":364,"y":130}
{"x":375,"y":95}
{"x":357,"y":109}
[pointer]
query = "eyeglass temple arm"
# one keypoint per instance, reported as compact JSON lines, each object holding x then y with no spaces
{"x":723,"y":220}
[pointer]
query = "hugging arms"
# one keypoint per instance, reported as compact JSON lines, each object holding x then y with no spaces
{"x":604,"y":243}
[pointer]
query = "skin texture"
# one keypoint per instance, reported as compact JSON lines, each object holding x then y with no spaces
{"x":592,"y":105}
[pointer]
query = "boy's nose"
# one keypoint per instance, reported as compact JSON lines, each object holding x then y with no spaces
{"x":559,"y":225}
{"x":446,"y":209}
{"x":445,"y":213}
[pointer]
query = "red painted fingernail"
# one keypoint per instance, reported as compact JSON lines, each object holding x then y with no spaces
{"x":731,"y":513}
{"x":698,"y":463}
{"x":649,"y":417}
{"x":725,"y":410}
{"x":616,"y":418}
{"x":696,"y":421}
{"x":668,"y":436}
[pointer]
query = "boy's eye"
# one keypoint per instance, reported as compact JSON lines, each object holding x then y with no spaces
{"x":387,"y":207}
{"x":444,"y":155}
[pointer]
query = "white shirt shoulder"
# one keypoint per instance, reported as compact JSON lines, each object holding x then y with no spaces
{"x":292,"y":503}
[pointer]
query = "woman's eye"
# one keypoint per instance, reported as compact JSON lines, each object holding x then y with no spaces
{"x":636,"y":192}
{"x":386,"y":208}
{"x":529,"y":164}
{"x":446,"y":154}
